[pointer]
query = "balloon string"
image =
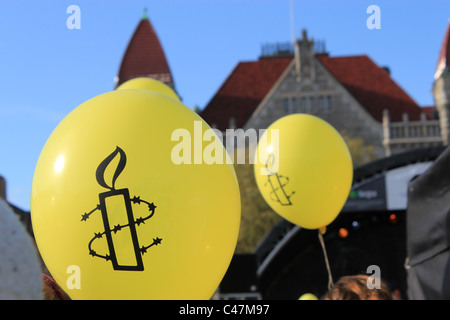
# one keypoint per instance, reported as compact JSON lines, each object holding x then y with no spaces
{"x":330,"y":277}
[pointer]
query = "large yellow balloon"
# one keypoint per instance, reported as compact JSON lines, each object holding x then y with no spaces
{"x":150,"y":84}
{"x":116,"y":216}
{"x":304,"y":170}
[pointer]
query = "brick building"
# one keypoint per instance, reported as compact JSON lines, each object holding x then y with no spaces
{"x":352,"y":93}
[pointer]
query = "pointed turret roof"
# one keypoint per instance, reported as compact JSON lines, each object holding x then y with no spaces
{"x":444,"y":55}
{"x":144,"y":56}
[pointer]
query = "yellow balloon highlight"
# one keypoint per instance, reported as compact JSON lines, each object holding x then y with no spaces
{"x":304,"y":170}
{"x":150,"y":84}
{"x":115,"y":218}
{"x":308,"y":296}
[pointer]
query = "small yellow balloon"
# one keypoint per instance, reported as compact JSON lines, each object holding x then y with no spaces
{"x":308,"y":296}
{"x":304,"y":170}
{"x":149,"y":84}
{"x":115,"y":217}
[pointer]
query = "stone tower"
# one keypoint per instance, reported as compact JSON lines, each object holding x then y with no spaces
{"x":441,"y":87}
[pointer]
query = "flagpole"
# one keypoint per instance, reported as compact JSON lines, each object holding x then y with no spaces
{"x":294,"y":40}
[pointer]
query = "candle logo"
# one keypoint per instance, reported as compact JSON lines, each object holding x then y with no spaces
{"x":277,"y":183}
{"x":119,"y":224}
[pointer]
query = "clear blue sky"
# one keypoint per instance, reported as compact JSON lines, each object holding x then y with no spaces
{"x":47,"y":70}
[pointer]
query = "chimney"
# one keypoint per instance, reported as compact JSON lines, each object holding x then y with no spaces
{"x":2,"y":188}
{"x":304,"y":57}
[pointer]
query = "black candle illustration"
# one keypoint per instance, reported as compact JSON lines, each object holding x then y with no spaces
{"x":277,"y":183}
{"x":122,"y":214}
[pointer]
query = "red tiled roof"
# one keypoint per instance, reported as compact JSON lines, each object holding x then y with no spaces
{"x":242,"y":92}
{"x":144,"y":56}
{"x":372,"y":86}
{"x":249,"y":82}
{"x":444,"y":53}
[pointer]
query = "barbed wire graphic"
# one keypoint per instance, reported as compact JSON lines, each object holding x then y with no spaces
{"x":277,"y":183}
{"x":119,"y":227}
{"x":132,"y":223}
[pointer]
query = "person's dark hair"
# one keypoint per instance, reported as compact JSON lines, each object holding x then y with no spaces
{"x":355,"y":288}
{"x":51,"y":289}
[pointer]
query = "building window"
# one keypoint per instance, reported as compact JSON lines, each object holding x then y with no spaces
{"x":303,"y":104}
{"x":433,"y":131}
{"x":329,"y":103}
{"x":293,"y":106}
{"x":324,"y":103}
{"x":312,"y":103}
{"x":413,"y":132}
{"x":286,"y":105}
{"x":289,"y":105}
{"x":321,"y":104}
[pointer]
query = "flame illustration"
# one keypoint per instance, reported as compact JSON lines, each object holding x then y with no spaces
{"x":100,"y":173}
